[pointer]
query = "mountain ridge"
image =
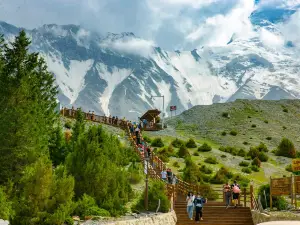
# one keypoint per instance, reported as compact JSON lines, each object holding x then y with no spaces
{"x":118,"y":73}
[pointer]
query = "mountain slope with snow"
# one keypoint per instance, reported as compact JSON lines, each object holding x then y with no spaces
{"x":118,"y":73}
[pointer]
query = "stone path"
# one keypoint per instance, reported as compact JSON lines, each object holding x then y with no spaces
{"x":281,"y":223}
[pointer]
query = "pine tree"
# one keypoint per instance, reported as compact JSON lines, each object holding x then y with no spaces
{"x":27,"y":97}
{"x":44,"y":197}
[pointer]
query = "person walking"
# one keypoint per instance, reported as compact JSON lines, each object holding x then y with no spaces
{"x":199,"y":202}
{"x":164,"y":175}
{"x":190,"y":205}
{"x":236,"y":193}
{"x":227,"y":194}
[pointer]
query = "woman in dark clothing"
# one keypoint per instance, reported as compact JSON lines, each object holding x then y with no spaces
{"x":199,"y":203}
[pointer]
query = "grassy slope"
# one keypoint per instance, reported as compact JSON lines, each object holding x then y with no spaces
{"x":205,"y":124}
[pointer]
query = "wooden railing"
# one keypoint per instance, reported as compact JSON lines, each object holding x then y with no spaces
{"x":155,"y":165}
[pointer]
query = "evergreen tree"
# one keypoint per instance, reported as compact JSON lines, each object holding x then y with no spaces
{"x":191,"y":172}
{"x":57,"y":146}
{"x":96,"y":166}
{"x":44,"y":197}
{"x":27,"y":103}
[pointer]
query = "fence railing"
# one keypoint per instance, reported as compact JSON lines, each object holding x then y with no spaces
{"x":155,"y":166}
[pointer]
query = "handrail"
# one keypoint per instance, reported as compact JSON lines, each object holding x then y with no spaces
{"x":155,"y":165}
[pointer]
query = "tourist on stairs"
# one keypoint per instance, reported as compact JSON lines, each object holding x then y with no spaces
{"x":236,"y":192}
{"x":227,"y":193}
{"x":164,"y":175}
{"x":199,"y":202}
{"x":190,"y":204}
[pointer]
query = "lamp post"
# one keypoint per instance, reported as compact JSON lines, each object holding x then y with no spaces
{"x":163,"y":109}
{"x":146,"y":161}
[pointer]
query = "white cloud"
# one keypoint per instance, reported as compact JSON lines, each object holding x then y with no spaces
{"x":133,"y":46}
{"x":270,"y":39}
{"x":291,"y":29}
{"x":217,"y":30}
{"x":189,"y":3}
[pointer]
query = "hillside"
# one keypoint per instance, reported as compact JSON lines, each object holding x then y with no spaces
{"x":254,"y":121}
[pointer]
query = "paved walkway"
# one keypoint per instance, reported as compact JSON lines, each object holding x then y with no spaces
{"x":2,"y":222}
{"x":281,"y":223}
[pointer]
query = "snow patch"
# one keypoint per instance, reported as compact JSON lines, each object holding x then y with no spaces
{"x":113,"y":79}
{"x":70,"y":81}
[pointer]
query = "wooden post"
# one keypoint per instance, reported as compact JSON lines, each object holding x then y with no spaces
{"x":295,"y":188}
{"x":271,"y":202}
{"x":245,"y":197}
{"x":292,"y":189}
{"x":251,"y":196}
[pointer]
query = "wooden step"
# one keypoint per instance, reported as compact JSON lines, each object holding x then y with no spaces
{"x":215,"y":213}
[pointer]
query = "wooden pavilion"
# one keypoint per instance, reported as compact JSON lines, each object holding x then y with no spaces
{"x":151,"y":116}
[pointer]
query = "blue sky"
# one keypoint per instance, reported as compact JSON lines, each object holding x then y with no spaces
{"x":171,"y":24}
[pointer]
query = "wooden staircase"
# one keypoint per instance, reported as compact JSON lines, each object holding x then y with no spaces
{"x":215,"y":213}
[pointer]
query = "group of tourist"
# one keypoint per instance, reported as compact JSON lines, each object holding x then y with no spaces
{"x":168,"y":176}
{"x":197,"y":202}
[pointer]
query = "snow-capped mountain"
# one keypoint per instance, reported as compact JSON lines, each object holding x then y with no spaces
{"x":118,"y":73}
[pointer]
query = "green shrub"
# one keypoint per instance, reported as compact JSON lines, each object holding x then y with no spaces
{"x":243,"y":181}
{"x":289,"y":168}
{"x":191,"y":143}
{"x":183,"y":152}
{"x":205,"y":148}
{"x":269,"y":138}
{"x":253,"y":125}
{"x":246,"y":170}
{"x":68,"y":125}
{"x":233,"y":133}
{"x":278,"y":202}
{"x":87,"y":206}
{"x":286,"y":148}
{"x":285,"y":110}
{"x":245,"y":143}
{"x":254,"y":168}
{"x":253,"y":152}
{"x":157,"y":142}
{"x":225,"y":114}
{"x":244,"y":164}
{"x":165,"y":153}
{"x":206,"y":169}
{"x":247,"y":157}
{"x":177,"y":143}
{"x":211,"y":160}
{"x":262,"y":147}
{"x":208,"y":192}
{"x":191,"y":172}
{"x":223,"y":133}
{"x":147,"y":139}
{"x":222,"y":176}
{"x":249,"y":117}
{"x":263,"y":157}
{"x":156,"y":191}
{"x":284,"y":127}
{"x":223,"y":156}
{"x":241,"y":152}
{"x":256,"y":162}
{"x":5,"y":206}
{"x":135,"y":173}
{"x":176,"y":164}
{"x":266,"y":121}
{"x":195,"y":154}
